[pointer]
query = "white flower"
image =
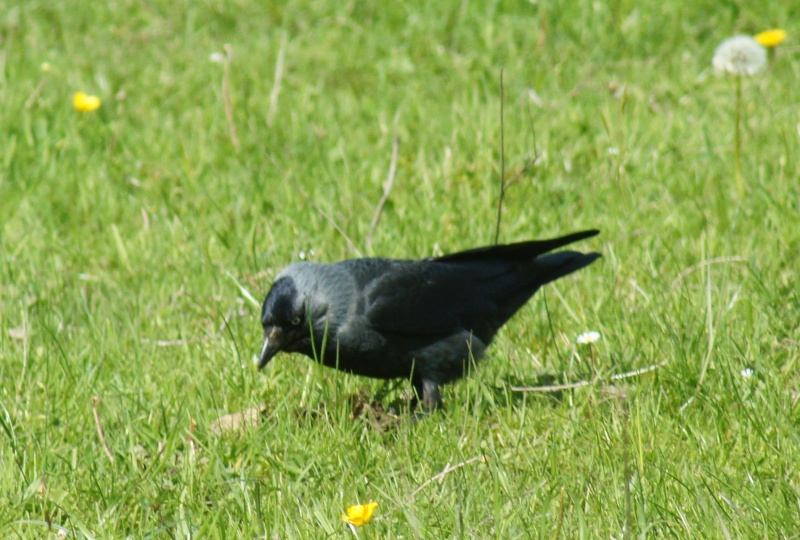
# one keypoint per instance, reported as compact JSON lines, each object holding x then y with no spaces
{"x":217,"y":57}
{"x":588,"y":337}
{"x":740,"y":55}
{"x":747,"y":372}
{"x":533,"y":97}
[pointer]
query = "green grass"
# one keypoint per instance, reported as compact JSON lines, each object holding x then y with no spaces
{"x":121,"y":229}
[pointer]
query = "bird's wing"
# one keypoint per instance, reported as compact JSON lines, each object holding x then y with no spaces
{"x":422,"y":298}
{"x":476,"y":290}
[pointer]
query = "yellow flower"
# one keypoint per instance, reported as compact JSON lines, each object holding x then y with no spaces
{"x":359,"y":514}
{"x":771,"y":38}
{"x":85,"y":103}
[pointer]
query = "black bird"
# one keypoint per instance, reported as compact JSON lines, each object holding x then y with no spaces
{"x":418,"y":319}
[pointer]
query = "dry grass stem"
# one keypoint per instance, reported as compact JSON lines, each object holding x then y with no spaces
{"x":226,"y":96}
{"x":276,"y":85}
{"x":35,"y":94}
{"x":580,"y":384}
{"x":99,"y":425}
{"x":701,"y":264}
{"x":447,"y":470}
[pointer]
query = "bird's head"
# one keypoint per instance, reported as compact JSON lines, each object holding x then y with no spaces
{"x":294,"y":314}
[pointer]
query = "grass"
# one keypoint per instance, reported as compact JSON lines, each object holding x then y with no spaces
{"x":121,"y":229}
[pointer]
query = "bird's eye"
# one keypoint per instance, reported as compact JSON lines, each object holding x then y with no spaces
{"x":296,"y":321}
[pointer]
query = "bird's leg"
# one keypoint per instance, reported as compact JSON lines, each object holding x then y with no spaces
{"x":428,"y":391}
{"x":431,"y":397}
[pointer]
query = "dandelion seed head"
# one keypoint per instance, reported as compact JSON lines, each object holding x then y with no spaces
{"x":740,"y":55}
{"x":588,"y":338}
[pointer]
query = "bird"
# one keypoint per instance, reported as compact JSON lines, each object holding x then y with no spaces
{"x":425,"y":320}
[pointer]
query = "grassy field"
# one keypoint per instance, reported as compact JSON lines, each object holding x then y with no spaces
{"x":132,"y":236}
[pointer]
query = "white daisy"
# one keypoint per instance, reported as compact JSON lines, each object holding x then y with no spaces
{"x":587,"y":338}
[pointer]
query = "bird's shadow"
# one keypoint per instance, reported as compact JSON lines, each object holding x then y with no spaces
{"x":386,"y":409}
{"x":486,"y":398}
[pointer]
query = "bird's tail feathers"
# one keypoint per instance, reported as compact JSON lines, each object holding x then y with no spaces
{"x":520,"y":252}
{"x":533,"y":276}
{"x":551,"y":267}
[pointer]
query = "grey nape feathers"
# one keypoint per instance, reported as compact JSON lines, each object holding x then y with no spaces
{"x":422,"y":320}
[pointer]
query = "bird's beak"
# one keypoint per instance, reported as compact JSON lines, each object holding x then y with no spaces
{"x":273,"y":340}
